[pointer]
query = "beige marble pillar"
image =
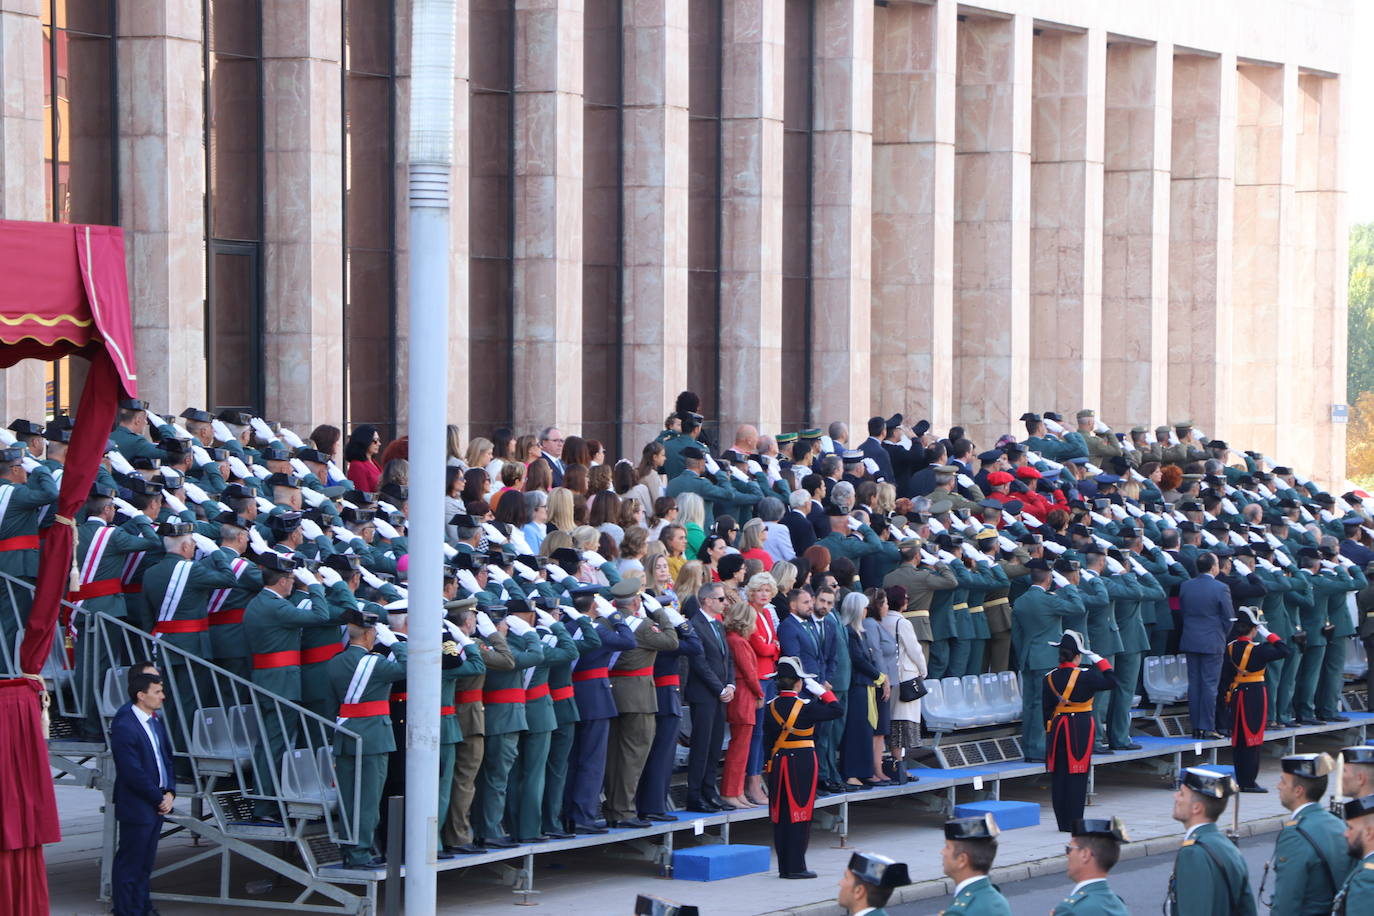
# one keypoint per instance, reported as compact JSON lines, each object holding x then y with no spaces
{"x":1261,"y":254}
{"x":1068,"y":88}
{"x":303,"y":234}
{"x":842,"y":212}
{"x":22,"y":387}
{"x":751,"y":216}
{"x":1135,"y":237}
{"x":913,"y":210}
{"x":459,"y":407}
{"x":548,"y":214}
{"x":656,"y":179}
{"x":1200,"y":240}
{"x":1320,"y":254}
{"x":992,"y":224}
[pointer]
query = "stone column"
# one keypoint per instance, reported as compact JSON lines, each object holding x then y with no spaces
{"x":992,"y":224}
{"x":842,"y":212}
{"x":1262,"y":254}
{"x":548,"y":214}
{"x":22,"y":387}
{"x":1318,"y":330}
{"x":913,"y":210}
{"x":751,"y":216}
{"x":459,"y":195}
{"x":1200,"y":240}
{"x":1068,"y":89}
{"x":656,"y":179}
{"x":303,"y":232}
{"x":1135,"y":238}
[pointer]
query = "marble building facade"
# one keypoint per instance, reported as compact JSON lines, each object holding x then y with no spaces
{"x":805,"y":210}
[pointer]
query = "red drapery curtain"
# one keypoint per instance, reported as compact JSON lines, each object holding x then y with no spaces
{"x":62,"y":291}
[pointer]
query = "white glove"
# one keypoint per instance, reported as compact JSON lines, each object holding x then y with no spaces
{"x":814,"y":686}
{"x":571,"y":613}
{"x":1059,"y":580}
{"x":1087,"y":575}
{"x":1091,"y":657}
{"x":119,"y":463}
{"x":967,"y":549}
{"x":603,"y":607}
{"x":262,"y":429}
{"x":518,"y":626}
{"x":341,"y":533}
{"x":738,"y":474}
{"x":945,"y":556}
{"x":385,"y":529}
{"x":673,"y":616}
{"x":204,"y":546}
{"x":449,"y":550}
{"x":1263,"y":631}
{"x":373,"y":579}
{"x":711,"y":467}
{"x":1344,"y":561}
{"x":221,"y":431}
{"x":525,"y":572}
{"x":1118,"y":511}
{"x":1282,"y":558}
{"x":1229,"y":507}
{"x":1054,"y":427}
{"x":384,"y":634}
{"x":854,"y":523}
{"x":1327,"y":564}
{"x":753,"y":466}
{"x":310,"y":529}
{"x":127,"y":509}
{"x":964,"y":480}
{"x":200,"y":456}
{"x":1135,"y":565}
{"x":1099,"y":519}
{"x":594,"y":558}
{"x":871,"y":466}
{"x":193,"y":492}
{"x":494,"y":534}
{"x":335,"y":475}
{"x":543,"y":616}
{"x":291,"y":438}
{"x":312,"y":498}
{"x":556,"y":572}
{"x":1099,"y":427}
{"x":172,"y":502}
{"x":454,"y":631}
{"x":1114,"y":566}
{"x":261,"y":472}
{"x":329,"y":576}
{"x":468,"y":581}
{"x":484,"y":624}
{"x":495,"y":572}
{"x":237,"y":467}
{"x":1135,"y":511}
{"x":1055,"y":547}
{"x":387,"y":507}
{"x":256,"y":541}
{"x":306,"y":578}
{"x":298,"y":467}
{"x":649,"y":601}
{"x":265,"y":505}
{"x":153,"y":419}
{"x":30,"y":463}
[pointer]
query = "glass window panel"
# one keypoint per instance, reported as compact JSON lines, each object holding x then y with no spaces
{"x":369,"y":336}
{"x":95,"y":17}
{"x":489,"y":44}
{"x":489,"y":346}
{"x":233,"y":292}
{"x":369,"y":36}
{"x":370,"y":178}
{"x":87,"y":174}
{"x":235,"y":142}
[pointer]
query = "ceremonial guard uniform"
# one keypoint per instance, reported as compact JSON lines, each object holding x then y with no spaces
{"x":462,"y":658}
{"x":503,"y":697}
{"x":272,"y":627}
{"x":976,"y":896}
{"x":651,"y":799}
{"x":1067,"y":699}
{"x":525,"y":798}
{"x":1311,"y":860}
{"x":1243,"y":670}
{"x":229,"y":644}
{"x":875,"y":874}
{"x":789,"y":726}
{"x":636,"y":702}
{"x":1210,"y":876}
{"x":1358,"y":890}
{"x":1094,"y":897}
{"x":562,"y":693}
{"x":362,"y":682}
{"x":1036,"y":621}
{"x":21,"y":506}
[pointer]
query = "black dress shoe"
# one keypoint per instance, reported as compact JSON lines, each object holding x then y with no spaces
{"x":587,"y":829}
{"x":1030,"y":759}
{"x":703,"y":806}
{"x":497,"y":844}
{"x":1211,"y":735}
{"x":557,"y":835}
{"x":632,"y":823}
{"x":1102,"y":750}
{"x":822,"y":791}
{"x":523,"y":842}
{"x":797,"y":874}
{"x":835,"y":788}
{"x":468,"y":849}
{"x":1133,"y":746}
{"x":659,"y":818}
{"x":1305,"y":721}
{"x":444,"y":853}
{"x":1338,"y":719}
{"x":1256,"y":789}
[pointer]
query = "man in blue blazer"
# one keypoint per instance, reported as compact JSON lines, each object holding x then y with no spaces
{"x":143,"y":791}
{"x":1205,"y":610}
{"x":800,"y":636}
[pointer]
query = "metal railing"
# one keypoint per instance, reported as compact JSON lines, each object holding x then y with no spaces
{"x":258,"y":759}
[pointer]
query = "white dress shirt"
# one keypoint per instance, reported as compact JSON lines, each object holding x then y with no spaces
{"x":146,"y":720}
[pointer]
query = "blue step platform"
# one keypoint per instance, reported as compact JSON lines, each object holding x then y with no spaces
{"x":712,"y":863}
{"x":1008,"y":814}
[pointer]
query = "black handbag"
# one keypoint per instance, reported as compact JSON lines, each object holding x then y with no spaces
{"x":912,"y":690}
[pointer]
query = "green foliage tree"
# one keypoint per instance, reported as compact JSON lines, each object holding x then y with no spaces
{"x":1360,"y":363}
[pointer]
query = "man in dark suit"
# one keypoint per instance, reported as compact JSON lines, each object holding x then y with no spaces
{"x":1205,"y":611}
{"x":799,"y":527}
{"x":800,"y":636}
{"x":551,"y":452}
{"x":815,"y":513}
{"x":143,"y":791}
{"x":872,"y":447}
{"x":710,"y":686}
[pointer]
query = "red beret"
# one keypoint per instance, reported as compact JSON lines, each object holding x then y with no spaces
{"x":1027,"y":472}
{"x":998,"y":478}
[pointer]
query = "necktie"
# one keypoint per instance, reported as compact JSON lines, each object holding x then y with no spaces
{"x":163,"y":781}
{"x":815,"y":637}
{"x":720,"y":635}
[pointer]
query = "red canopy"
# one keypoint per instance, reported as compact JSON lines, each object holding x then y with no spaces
{"x":62,"y":291}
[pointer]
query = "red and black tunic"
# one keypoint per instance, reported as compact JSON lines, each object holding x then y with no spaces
{"x":792,"y":755}
{"x":1067,"y":698}
{"x":1243,"y":675}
